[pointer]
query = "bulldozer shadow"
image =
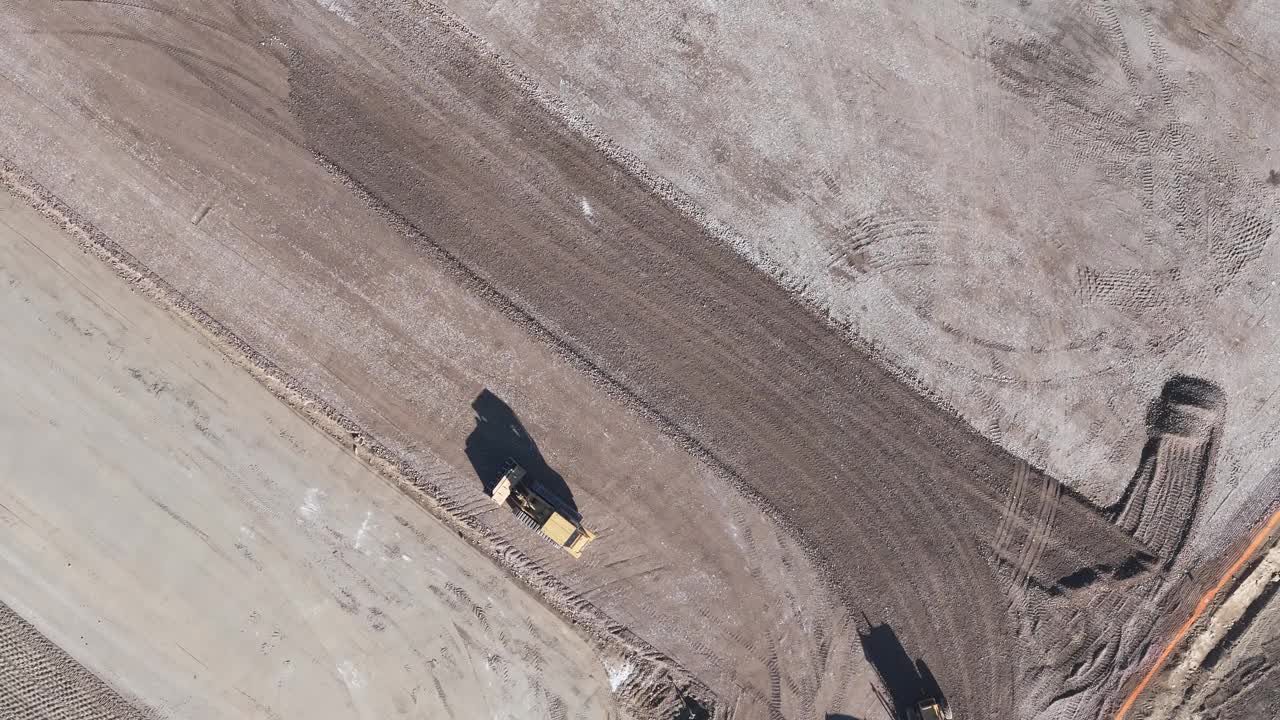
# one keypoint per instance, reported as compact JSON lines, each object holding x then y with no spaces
{"x":499,"y":436}
{"x":905,"y":682}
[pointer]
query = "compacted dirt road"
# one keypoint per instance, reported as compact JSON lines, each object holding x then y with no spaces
{"x":388,"y":214}
{"x":194,"y":544}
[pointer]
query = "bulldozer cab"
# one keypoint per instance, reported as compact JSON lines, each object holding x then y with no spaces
{"x":541,"y":510}
{"x":512,"y":476}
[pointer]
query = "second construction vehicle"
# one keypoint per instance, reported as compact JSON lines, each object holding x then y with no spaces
{"x":931,"y":709}
{"x":540,"y":510}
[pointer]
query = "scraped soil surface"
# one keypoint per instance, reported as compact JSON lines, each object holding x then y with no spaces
{"x":392,"y":217}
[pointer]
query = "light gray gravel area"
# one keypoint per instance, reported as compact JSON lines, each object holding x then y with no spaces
{"x":1040,"y":211}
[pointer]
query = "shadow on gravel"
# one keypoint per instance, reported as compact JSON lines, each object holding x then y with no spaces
{"x":692,"y":710}
{"x":905,"y":681}
{"x":839,"y":716}
{"x":499,"y":435}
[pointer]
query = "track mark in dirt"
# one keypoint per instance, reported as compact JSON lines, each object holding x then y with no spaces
{"x":775,"y":681}
{"x":83,"y":329}
{"x":882,"y":243}
{"x":1203,"y":219}
{"x":1026,"y":528}
{"x":937,"y":268}
{"x":161,"y":10}
{"x":154,"y":383}
{"x":1050,"y":493}
{"x":1126,"y":288}
{"x":444,"y":699}
{"x":220,"y":70}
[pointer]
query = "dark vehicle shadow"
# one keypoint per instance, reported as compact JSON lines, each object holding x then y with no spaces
{"x":692,"y":710}
{"x":499,"y":435}
{"x":839,"y":716}
{"x":905,"y":681}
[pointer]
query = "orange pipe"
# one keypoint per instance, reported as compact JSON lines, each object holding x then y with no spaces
{"x":1204,"y":603}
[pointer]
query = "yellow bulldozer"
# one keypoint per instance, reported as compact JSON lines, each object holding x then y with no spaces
{"x":541,"y":510}
{"x":930,"y":709}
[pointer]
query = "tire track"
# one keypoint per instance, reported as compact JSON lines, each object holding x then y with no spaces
{"x":1021,"y":477}
{"x":1050,"y":493}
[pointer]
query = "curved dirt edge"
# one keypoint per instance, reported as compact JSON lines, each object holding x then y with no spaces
{"x":650,"y":685}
